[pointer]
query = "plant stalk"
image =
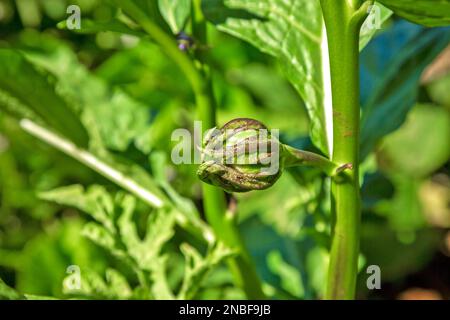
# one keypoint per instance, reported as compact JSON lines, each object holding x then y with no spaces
{"x":221,"y":220}
{"x":343,"y":20}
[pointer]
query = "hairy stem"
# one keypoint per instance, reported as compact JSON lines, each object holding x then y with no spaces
{"x":343,"y":20}
{"x":214,"y":202}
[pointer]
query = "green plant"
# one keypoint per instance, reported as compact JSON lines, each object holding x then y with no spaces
{"x":161,"y":239}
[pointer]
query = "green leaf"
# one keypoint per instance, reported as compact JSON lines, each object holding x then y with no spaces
{"x":92,"y":285}
{"x":404,"y":210}
{"x":149,"y":8}
{"x":291,"y":280}
{"x":176,"y":13}
{"x":198,"y":267}
{"x":293,"y":32}
{"x":420,"y":146}
{"x":123,"y":118}
{"x":23,"y":82}
{"x":397,"y":260}
{"x":396,"y":91}
{"x":93,"y":26}
{"x":429,"y":13}
{"x":95,"y":201}
{"x":159,"y":230}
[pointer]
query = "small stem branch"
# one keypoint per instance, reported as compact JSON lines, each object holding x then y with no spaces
{"x":295,"y":157}
{"x":343,"y":20}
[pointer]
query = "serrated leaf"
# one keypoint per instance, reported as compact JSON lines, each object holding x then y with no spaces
{"x":148,"y":8}
{"x":23,"y":82}
{"x":95,"y":200}
{"x":159,"y":230}
{"x":429,"y":13}
{"x":198,"y":267}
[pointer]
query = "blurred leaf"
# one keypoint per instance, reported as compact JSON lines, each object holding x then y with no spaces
{"x":291,"y":203}
{"x":113,"y":25}
{"x":435,"y":198}
{"x":290,"y":277}
{"x":176,"y":13}
{"x":404,"y":210}
{"x":41,"y":265}
{"x":94,"y":286}
{"x":32,"y":89}
{"x":420,"y":146}
{"x":148,"y":8}
{"x":95,"y":201}
{"x":7,"y":292}
{"x":122,"y":118}
{"x":317,"y":268}
{"x":159,"y":230}
{"x":396,"y":91}
{"x":430,"y":13}
{"x":397,"y":260}
{"x":438,"y":91}
{"x":375,"y":188}
{"x":294,"y":32}
{"x":198,"y":267}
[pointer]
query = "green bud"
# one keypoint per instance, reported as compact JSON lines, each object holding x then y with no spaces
{"x":244,"y":156}
{"x":240,"y":157}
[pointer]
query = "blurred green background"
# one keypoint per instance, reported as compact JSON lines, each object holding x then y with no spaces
{"x":137,"y":97}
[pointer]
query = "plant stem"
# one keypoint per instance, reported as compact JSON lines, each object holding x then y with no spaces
{"x":343,"y":20}
{"x":294,"y":157}
{"x":214,"y":202}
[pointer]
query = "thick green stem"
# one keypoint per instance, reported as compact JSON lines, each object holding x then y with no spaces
{"x":343,"y":21}
{"x":214,"y":203}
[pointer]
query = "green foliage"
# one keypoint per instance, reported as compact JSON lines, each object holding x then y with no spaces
{"x":33,"y":90}
{"x":176,"y":13}
{"x":426,"y":126}
{"x":109,"y":97}
{"x":430,"y":13}
{"x":396,"y":91}
{"x":115,"y":230}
